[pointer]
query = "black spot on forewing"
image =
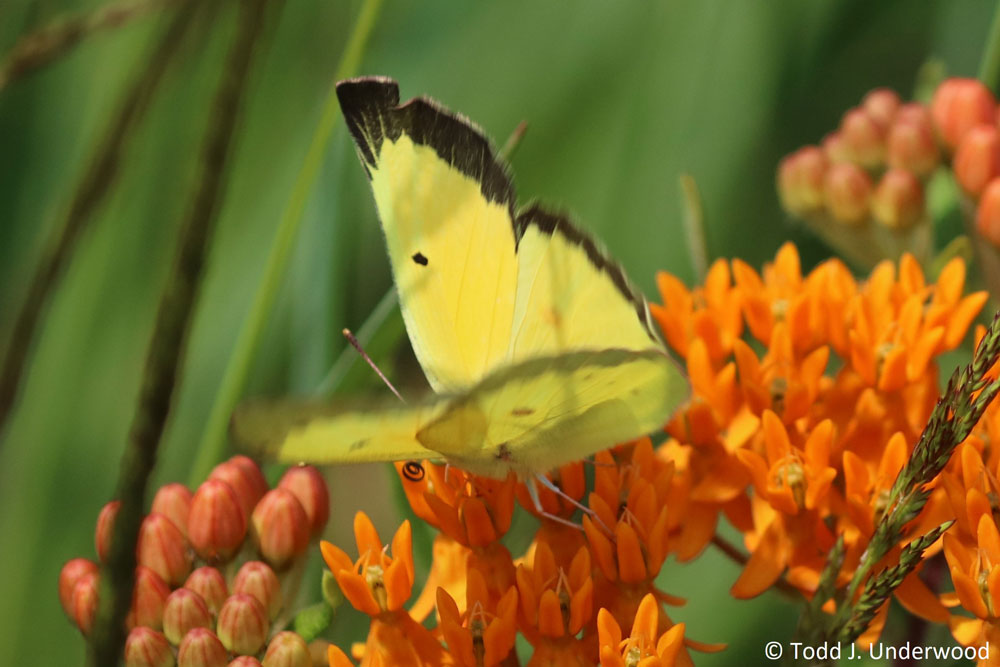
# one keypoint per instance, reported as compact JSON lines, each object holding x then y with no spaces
{"x":355,"y":446}
{"x":419,"y":259}
{"x":522,"y":412}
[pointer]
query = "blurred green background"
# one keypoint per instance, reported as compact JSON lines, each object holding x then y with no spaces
{"x":620,"y":98}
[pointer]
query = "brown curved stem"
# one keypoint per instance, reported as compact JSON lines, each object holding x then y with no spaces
{"x":99,"y":178}
{"x":39,"y":48}
{"x":740,"y":558}
{"x":166,"y":349}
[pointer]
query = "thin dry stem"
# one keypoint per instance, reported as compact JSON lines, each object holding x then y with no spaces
{"x":166,"y":349}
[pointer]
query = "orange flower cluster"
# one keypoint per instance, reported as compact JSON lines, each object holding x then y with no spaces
{"x":551,"y":595}
{"x":817,"y":410}
{"x":809,"y":392}
{"x":972,"y":546}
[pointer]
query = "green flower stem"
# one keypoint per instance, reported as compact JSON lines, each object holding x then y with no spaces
{"x":234,"y":378}
{"x":694,"y":227}
{"x":989,"y":66}
{"x":166,"y":349}
{"x":97,"y":181}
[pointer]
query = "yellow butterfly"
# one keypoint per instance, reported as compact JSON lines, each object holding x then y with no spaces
{"x":538,"y":348}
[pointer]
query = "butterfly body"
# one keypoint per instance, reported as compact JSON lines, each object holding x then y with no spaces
{"x":536,"y":345}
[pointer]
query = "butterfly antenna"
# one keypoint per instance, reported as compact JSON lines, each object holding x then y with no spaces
{"x":412,"y":470}
{"x":364,"y":355}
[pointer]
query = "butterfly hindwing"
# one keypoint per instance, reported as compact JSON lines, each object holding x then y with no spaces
{"x":540,"y":413}
{"x":524,"y":417}
{"x":346,"y":432}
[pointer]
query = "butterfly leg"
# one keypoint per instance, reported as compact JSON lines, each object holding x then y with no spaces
{"x":537,"y":502}
{"x":552,"y":486}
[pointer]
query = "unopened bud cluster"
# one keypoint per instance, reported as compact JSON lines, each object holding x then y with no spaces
{"x":873,"y":167}
{"x":212,"y":566}
{"x":876,"y":164}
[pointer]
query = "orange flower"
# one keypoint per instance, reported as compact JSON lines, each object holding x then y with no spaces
{"x":779,"y":296}
{"x":474,"y":512}
{"x":791,"y":478}
{"x":449,"y":568}
{"x":646,"y":645}
{"x":975,"y":572}
{"x":897,"y":327}
{"x":710,"y":314}
{"x":867,"y":497}
{"x":482,"y":636}
{"x":708,"y":478}
{"x":779,"y":382}
{"x":379,"y":584}
{"x":629,"y":530}
{"x":791,"y":490}
{"x":556,"y":605}
{"x":628,"y":499}
{"x":562,"y":538}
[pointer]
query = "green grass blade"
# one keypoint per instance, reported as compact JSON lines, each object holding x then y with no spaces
{"x":238,"y":367}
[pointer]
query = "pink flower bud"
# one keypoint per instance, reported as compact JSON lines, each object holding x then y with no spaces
{"x":864,"y":138}
{"x":184,"y":612}
{"x":800,"y":180}
{"x":105,"y":527}
{"x":287,"y":649}
{"x":914,"y":112}
{"x":257,"y":579}
{"x":898,"y":201}
{"x":911,"y":142}
{"x":958,"y":106}
{"x":149,"y":597}
{"x":848,"y":191}
{"x":280,"y":528}
{"x":174,"y":502}
{"x":988,"y":213}
{"x":163,"y":549}
{"x":977,"y":160}
{"x":309,"y":486}
{"x":210,"y":585}
{"x":243,"y":625}
{"x":881,"y":104}
{"x":835,"y":148}
{"x":246,"y":661}
{"x":146,"y":647}
{"x":85,"y":601}
{"x":319,"y":650}
{"x":201,"y":648}
{"x":246,"y":479}
{"x":70,"y":574}
{"x":217,"y":524}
